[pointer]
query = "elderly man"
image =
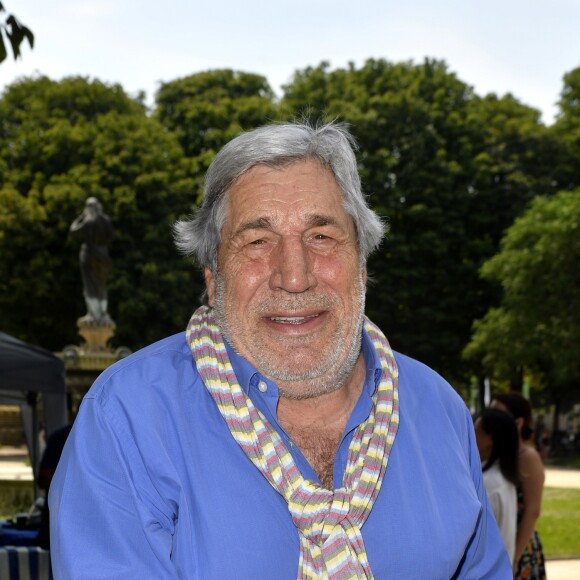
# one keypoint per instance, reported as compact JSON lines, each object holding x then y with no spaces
{"x":279,"y":436}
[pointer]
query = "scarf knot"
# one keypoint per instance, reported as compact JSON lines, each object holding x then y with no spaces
{"x":316,"y":511}
{"x":328,"y":522}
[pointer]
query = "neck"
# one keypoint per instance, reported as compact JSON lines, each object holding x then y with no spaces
{"x":329,"y":410}
{"x":317,"y":424}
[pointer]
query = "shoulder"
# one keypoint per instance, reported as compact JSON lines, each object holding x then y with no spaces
{"x":494,"y":479}
{"x":530,"y":463}
{"x":430,"y":407}
{"x":492,"y":473}
{"x":420,"y":385}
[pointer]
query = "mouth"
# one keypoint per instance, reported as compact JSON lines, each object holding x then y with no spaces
{"x":295,"y":320}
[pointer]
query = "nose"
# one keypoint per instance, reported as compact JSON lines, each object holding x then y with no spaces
{"x":292,"y":267}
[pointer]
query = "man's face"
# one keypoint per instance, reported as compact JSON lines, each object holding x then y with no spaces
{"x":289,"y":293}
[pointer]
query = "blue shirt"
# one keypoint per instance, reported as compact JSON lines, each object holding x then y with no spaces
{"x":151,"y":483}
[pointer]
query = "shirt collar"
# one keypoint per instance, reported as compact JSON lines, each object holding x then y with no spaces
{"x":373,"y":366}
{"x":246,"y":374}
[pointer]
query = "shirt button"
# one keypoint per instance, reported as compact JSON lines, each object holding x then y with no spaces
{"x":262,"y":386}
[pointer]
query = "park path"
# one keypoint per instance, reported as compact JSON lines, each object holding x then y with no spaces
{"x":561,"y":477}
{"x":562,"y":569}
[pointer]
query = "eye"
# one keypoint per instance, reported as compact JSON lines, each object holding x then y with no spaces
{"x":257,"y":246}
{"x":320,"y":242}
{"x":320,"y":238}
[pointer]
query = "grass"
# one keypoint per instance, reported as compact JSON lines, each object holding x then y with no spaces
{"x":559,"y":524}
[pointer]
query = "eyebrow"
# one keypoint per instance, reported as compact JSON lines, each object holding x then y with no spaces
{"x":264,"y":223}
{"x":320,"y":220}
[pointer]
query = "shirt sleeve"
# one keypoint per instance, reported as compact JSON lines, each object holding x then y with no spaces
{"x":106,"y":521}
{"x":486,"y":556}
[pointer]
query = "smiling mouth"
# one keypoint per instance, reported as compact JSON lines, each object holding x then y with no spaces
{"x":292,"y":319}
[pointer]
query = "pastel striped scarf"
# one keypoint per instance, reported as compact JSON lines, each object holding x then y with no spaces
{"x":329,"y":522}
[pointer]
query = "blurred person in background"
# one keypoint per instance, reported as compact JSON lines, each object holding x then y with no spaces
{"x":497,"y":440}
{"x":529,"y":561}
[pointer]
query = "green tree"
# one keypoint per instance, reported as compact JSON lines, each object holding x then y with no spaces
{"x":570,"y":100}
{"x":567,"y":129}
{"x":537,"y":325}
{"x":208,"y":109}
{"x":15,"y":33}
{"x":451,"y":170}
{"x":62,"y":142}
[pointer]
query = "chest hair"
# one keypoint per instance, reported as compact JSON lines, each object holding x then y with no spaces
{"x":319,"y":446}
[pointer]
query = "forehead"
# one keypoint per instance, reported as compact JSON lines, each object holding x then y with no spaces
{"x":290,"y":191}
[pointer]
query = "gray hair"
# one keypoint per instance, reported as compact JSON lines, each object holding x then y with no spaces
{"x":277,"y":146}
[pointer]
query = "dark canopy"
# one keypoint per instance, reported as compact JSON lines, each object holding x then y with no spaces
{"x":26,"y":371}
{"x":25,"y":367}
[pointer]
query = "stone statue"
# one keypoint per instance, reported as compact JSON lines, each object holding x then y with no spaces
{"x":96,"y":230}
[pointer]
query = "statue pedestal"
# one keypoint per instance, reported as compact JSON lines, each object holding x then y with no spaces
{"x":96,"y":335}
{"x":84,"y":363}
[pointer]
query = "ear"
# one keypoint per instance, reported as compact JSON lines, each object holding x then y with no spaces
{"x":209,"y":286}
{"x":364,"y":275}
{"x":519,"y":423}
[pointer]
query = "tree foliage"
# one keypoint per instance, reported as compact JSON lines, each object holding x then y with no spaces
{"x":450,"y":171}
{"x":567,"y":129}
{"x":537,"y":325}
{"x":15,"y":32}
{"x":208,"y":109}
{"x":63,"y":142}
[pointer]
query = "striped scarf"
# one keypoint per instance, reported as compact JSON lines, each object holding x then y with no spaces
{"x":329,"y":522}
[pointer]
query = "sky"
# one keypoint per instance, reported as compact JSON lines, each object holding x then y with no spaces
{"x":520,"y":47}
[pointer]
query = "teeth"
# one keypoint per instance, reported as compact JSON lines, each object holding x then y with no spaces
{"x":292,"y":319}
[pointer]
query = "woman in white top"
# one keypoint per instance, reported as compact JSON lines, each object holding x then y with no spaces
{"x":530,"y":562}
{"x":498,"y":442}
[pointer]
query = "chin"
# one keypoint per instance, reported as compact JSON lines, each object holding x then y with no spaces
{"x":289,"y":370}
{"x":313,"y":389}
